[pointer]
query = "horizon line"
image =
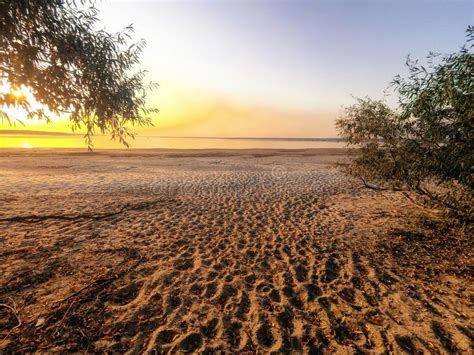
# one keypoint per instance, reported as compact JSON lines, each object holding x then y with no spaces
{"x":32,"y":133}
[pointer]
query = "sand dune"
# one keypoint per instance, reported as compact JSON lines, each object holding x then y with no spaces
{"x":207,"y":251}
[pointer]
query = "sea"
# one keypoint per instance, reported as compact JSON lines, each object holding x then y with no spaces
{"x":147,"y":142}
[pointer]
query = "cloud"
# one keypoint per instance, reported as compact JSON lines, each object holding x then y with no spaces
{"x":224,"y":118}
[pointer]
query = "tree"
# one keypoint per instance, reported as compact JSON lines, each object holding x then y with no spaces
{"x":53,"y":48}
{"x":426,"y":144}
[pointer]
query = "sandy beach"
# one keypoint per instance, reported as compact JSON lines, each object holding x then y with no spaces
{"x":235,"y":251}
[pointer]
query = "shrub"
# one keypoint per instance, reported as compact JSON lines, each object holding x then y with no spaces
{"x":424,"y":145}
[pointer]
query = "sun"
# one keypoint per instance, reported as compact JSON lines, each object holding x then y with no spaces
{"x":14,"y":97}
{"x":20,"y":92}
{"x":17,"y":92}
{"x":26,"y":145}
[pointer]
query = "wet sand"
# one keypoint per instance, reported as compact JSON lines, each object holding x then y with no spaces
{"x":229,"y":251}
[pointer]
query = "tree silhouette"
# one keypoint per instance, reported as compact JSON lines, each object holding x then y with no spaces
{"x":53,"y":48}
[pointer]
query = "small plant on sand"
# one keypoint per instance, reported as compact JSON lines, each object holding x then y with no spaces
{"x":52,"y":48}
{"x":426,"y":144}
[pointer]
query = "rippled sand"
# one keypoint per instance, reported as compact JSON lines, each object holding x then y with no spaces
{"x":214,"y":250}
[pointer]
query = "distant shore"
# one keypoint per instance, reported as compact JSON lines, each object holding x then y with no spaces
{"x":197,"y":151}
{"x":37,"y":139}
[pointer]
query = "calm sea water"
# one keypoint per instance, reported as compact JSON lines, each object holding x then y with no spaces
{"x":168,"y":142}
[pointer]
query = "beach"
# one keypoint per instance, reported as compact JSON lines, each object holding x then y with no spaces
{"x":235,"y":251}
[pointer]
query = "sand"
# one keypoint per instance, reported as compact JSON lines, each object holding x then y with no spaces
{"x":250,"y":251}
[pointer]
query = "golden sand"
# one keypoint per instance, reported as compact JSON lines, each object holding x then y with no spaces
{"x":212,"y":250}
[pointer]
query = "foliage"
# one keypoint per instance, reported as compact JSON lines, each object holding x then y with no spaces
{"x":53,"y":48}
{"x":426,"y":144}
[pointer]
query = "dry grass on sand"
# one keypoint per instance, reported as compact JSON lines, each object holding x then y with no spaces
{"x":235,"y":251}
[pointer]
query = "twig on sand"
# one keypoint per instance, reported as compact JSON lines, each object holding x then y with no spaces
{"x":59,"y":313}
{"x":250,"y":338}
{"x":64,"y":316}
{"x":102,"y":280}
{"x":15,"y":313}
{"x":380,"y":188}
{"x":434,"y":212}
{"x":39,"y":218}
{"x":97,"y":281}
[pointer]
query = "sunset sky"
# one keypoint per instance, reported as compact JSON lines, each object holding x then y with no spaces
{"x":275,"y":68}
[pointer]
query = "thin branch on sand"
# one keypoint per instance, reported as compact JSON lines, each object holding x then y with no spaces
{"x":38,"y":218}
{"x":15,"y":313}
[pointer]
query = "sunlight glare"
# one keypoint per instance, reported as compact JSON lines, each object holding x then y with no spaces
{"x":21,"y":93}
{"x":17,"y":92}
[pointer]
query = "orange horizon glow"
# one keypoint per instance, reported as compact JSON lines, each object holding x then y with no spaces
{"x":185,"y":113}
{"x":264,"y":69}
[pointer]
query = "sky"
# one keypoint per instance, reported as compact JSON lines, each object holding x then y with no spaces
{"x":275,"y":68}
